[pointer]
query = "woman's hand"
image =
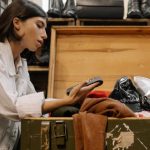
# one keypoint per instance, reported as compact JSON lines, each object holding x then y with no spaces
{"x":80,"y":92}
{"x":77,"y":95}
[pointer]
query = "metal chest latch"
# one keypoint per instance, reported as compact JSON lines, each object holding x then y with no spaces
{"x":60,"y":133}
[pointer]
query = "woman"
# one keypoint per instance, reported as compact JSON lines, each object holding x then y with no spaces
{"x":22,"y":25}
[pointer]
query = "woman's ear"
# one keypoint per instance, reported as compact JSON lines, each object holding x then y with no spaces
{"x":17,"y":23}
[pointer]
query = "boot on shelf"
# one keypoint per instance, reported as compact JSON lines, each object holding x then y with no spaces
{"x":69,"y":10}
{"x":55,"y":8}
{"x":145,"y":8}
{"x":134,"y":9}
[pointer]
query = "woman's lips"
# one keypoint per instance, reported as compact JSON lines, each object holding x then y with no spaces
{"x":39,"y":43}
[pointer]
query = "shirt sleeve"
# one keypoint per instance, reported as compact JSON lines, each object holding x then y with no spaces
{"x":30,"y":105}
{"x":15,"y":107}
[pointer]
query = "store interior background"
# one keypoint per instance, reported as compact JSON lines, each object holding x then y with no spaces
{"x":45,"y":5}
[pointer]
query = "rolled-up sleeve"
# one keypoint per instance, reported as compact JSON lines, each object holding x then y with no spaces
{"x":15,"y":108}
{"x":30,"y":105}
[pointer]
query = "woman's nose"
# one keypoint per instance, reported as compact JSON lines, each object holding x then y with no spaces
{"x":44,"y":34}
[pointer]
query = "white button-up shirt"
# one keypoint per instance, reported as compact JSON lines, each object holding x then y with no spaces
{"x":18,"y":98}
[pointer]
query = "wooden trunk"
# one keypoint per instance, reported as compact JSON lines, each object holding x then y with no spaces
{"x":78,"y":53}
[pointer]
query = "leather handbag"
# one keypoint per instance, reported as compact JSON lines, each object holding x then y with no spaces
{"x":110,"y":9}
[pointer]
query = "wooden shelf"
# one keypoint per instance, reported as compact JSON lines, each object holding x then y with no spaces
{"x":70,"y":21}
{"x":38,"y":68}
{"x":60,"y":19}
{"x":112,"y":22}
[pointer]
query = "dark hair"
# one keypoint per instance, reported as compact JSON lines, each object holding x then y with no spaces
{"x":23,"y":9}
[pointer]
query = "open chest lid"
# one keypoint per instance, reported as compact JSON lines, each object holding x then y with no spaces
{"x":79,"y":53}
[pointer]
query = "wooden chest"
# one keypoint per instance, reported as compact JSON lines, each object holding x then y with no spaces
{"x":78,"y":53}
{"x":58,"y":134}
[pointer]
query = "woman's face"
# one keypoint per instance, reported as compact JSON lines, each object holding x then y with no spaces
{"x":33,"y":33}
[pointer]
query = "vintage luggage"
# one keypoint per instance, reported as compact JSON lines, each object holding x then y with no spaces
{"x":58,"y":134}
{"x":79,"y":53}
{"x":46,"y":134}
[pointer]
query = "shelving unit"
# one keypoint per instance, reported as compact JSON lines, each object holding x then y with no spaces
{"x":37,"y":68}
{"x":112,"y":22}
{"x":39,"y":80}
{"x":67,"y":21}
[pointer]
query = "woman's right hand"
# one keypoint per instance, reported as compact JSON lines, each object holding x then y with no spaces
{"x":80,"y":92}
